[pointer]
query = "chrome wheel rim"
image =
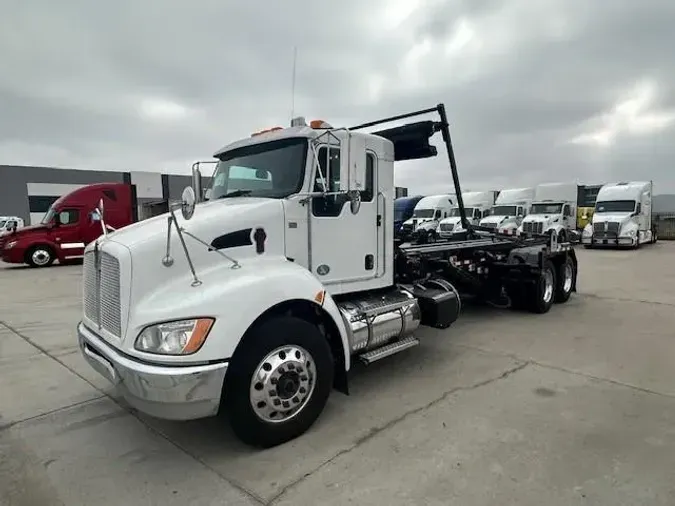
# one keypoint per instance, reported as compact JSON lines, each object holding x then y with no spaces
{"x":548,"y":285}
{"x":567,"y":281}
{"x":282,"y":384}
{"x":40,"y":257}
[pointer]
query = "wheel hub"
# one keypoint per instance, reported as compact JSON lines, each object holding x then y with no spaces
{"x":567,"y":282}
{"x":282,"y":384}
{"x":40,"y":257}
{"x":548,"y":285}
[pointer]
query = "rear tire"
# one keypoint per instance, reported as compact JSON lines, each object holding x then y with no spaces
{"x":565,"y":280}
{"x":279,"y":381}
{"x":542,"y":293}
{"x":40,"y":256}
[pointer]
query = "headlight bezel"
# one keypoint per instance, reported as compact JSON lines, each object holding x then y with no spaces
{"x":161,"y":332}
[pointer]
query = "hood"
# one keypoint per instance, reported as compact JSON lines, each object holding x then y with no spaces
{"x":22,"y":232}
{"x":427,"y":224}
{"x":453,"y":220}
{"x":603,"y":217}
{"x":541,"y":218}
{"x":416,"y":221}
{"x":497,"y":220}
{"x":228,"y":224}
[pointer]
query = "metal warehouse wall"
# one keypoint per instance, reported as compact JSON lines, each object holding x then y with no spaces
{"x":29,"y":191}
{"x":14,"y":181}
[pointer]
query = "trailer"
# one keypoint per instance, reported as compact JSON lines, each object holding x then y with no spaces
{"x":256,"y":304}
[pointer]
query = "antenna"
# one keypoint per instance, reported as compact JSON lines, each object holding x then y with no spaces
{"x":295,"y":61}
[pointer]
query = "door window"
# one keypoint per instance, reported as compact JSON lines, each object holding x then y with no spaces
{"x":329,"y":163}
{"x":68,"y":217}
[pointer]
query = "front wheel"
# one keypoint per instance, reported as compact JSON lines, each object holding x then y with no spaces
{"x":279,"y":381}
{"x":40,"y":256}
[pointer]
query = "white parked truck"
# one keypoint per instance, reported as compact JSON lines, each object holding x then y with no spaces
{"x":622,"y":216}
{"x":553,"y":211}
{"x":428,"y":212}
{"x":255,"y":304}
{"x":477,"y":206}
{"x":510,"y":208}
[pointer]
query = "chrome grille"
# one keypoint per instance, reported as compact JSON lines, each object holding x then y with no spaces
{"x":531,"y":227}
{"x":599,"y":228}
{"x":613,"y":227}
{"x":101,"y":291}
{"x":447,"y":227}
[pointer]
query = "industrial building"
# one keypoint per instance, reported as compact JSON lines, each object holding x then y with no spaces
{"x":28,"y":192}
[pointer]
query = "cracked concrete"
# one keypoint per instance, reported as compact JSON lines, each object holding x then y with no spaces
{"x":575,"y":406}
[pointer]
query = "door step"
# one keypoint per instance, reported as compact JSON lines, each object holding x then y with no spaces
{"x":388,"y":349}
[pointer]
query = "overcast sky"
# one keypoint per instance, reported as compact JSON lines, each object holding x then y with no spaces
{"x":536,"y":90}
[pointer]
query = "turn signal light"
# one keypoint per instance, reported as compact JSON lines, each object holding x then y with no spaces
{"x":273,"y":129}
{"x":319,"y":123}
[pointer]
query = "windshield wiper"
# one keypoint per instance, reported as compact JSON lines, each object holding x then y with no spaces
{"x":235,"y":193}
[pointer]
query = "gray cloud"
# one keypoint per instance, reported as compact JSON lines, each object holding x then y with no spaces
{"x":535,"y":74}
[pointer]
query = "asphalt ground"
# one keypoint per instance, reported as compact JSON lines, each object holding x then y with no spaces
{"x":573,"y":407}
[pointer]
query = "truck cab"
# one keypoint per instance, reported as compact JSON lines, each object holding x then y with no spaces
{"x":553,"y":211}
{"x":477,"y":206}
{"x":69,"y":225}
{"x":622,"y":216}
{"x":403,"y":211}
{"x":428,"y":212}
{"x":511,"y":206}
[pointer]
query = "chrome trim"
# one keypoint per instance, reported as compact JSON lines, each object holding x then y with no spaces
{"x":163,"y":391}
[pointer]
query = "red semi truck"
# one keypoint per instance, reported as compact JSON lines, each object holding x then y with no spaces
{"x":70,"y":224}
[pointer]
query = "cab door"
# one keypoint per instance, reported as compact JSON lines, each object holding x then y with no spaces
{"x":67,"y":234}
{"x":343,"y":247}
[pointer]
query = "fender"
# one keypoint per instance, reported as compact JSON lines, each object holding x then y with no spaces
{"x":235,"y":298}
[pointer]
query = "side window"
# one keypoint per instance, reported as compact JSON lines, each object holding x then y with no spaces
{"x":437,"y":214}
{"x":639,"y":208}
{"x":520,"y":212}
{"x":330,"y":205}
{"x":69,"y":217}
{"x":368,"y":194}
{"x":11,"y":224}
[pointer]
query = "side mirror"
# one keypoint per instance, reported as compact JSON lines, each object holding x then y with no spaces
{"x":207,"y":194}
{"x":352,"y":162}
{"x":188,"y":202}
{"x":354,"y":197}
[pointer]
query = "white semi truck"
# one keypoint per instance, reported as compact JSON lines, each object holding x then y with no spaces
{"x":477,"y":205}
{"x":255,"y":304}
{"x":426,"y":215}
{"x":553,"y":211}
{"x":510,"y":208}
{"x":622,"y":216}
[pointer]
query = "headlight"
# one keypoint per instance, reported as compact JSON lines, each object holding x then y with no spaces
{"x":10,"y":244}
{"x":182,"y":337}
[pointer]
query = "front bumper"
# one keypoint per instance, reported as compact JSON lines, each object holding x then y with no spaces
{"x":608,"y":241}
{"x":163,"y":391}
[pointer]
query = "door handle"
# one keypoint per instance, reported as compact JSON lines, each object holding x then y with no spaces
{"x":379,"y":220}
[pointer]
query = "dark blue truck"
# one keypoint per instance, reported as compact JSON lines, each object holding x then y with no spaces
{"x":403,"y":210}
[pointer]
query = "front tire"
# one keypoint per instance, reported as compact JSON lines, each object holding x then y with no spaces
{"x":279,"y":381}
{"x":40,"y":256}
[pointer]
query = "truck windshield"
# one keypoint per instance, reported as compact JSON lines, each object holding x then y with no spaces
{"x":546,"y":209}
{"x":423,"y":213}
{"x":503,"y":211}
{"x":399,"y":210}
{"x":615,"y":206}
{"x":455,"y":212}
{"x":49,"y":216}
{"x":274,"y":169}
